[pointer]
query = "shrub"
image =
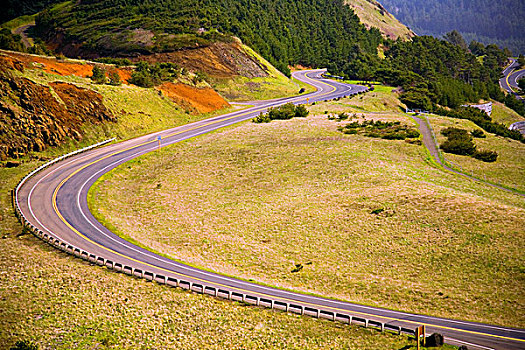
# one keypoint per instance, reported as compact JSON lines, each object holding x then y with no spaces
{"x":114,"y":79}
{"x":148,"y":75}
{"x":459,"y":141}
{"x":486,"y":156}
{"x":142,"y":79}
{"x":262,"y":118}
{"x":384,"y":130}
{"x":116,"y":61}
{"x":478,"y":133}
{"x":460,"y":146}
{"x":99,"y":75}
{"x":412,"y":134}
{"x":24,"y":345}
{"x":198,"y":77}
{"x":455,"y":133}
{"x":10,"y":41}
{"x":301,"y":112}
{"x":297,"y":268}
{"x":284,"y":112}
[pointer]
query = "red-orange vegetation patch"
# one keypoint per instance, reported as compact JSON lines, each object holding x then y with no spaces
{"x":56,"y":66}
{"x":202,"y":100}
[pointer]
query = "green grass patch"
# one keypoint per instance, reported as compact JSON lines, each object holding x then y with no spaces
{"x":19,"y":21}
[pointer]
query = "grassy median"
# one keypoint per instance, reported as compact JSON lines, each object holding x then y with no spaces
{"x":365,"y":220}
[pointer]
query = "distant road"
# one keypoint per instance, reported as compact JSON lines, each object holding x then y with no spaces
{"x":54,"y":200}
{"x":22,"y":32}
{"x":511,"y":75}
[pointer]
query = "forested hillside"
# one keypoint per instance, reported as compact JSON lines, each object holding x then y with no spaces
{"x":496,"y":22}
{"x":318,"y":33}
{"x":310,"y":32}
{"x":16,"y":8}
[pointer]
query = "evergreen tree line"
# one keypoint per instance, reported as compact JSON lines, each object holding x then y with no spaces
{"x":316,"y":33}
{"x":496,"y":22}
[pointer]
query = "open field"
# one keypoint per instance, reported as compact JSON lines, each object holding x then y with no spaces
{"x":60,"y":302}
{"x":509,"y":168}
{"x":370,"y":221}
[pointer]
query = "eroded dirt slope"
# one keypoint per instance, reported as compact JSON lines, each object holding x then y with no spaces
{"x":35,"y":116}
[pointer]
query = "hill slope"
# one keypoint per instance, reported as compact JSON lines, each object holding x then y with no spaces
{"x":373,"y":14}
{"x":311,"y":33}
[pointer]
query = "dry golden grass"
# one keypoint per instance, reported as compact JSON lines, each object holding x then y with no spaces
{"x":62,"y":303}
{"x":507,"y":170}
{"x":254,"y":200}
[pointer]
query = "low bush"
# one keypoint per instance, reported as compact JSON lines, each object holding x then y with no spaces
{"x":478,"y":133}
{"x":24,"y":345}
{"x":148,"y":75}
{"x":486,"y":156}
{"x":379,"y":129}
{"x":460,"y":146}
{"x":284,"y":112}
{"x":459,"y":141}
{"x":99,"y":75}
{"x":114,"y":79}
{"x":119,"y":62}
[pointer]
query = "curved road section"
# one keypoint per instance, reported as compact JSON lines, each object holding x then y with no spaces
{"x":511,"y":75}
{"x":54,"y":203}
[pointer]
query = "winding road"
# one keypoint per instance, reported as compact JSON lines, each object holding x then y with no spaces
{"x":54,"y":201}
{"x":511,"y":75}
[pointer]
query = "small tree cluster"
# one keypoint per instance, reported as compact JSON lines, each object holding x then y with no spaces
{"x":284,"y":112}
{"x":99,"y":75}
{"x":148,"y":75}
{"x":459,"y":141}
{"x":379,"y":129}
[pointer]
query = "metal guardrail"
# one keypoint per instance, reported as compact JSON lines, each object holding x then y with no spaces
{"x":199,"y":288}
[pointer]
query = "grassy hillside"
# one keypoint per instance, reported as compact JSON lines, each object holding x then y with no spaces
{"x":59,"y":302}
{"x":373,"y":14}
{"x":508,"y":170}
{"x":62,"y":303}
{"x":369,"y":220}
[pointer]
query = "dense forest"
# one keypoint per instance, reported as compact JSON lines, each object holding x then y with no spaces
{"x":486,"y":21}
{"x":309,"y":32}
{"x":16,"y":8}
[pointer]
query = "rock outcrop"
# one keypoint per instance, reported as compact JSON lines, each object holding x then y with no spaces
{"x":35,"y":116}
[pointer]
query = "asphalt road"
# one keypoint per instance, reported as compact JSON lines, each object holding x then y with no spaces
{"x":511,"y":75}
{"x":55,"y":201}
